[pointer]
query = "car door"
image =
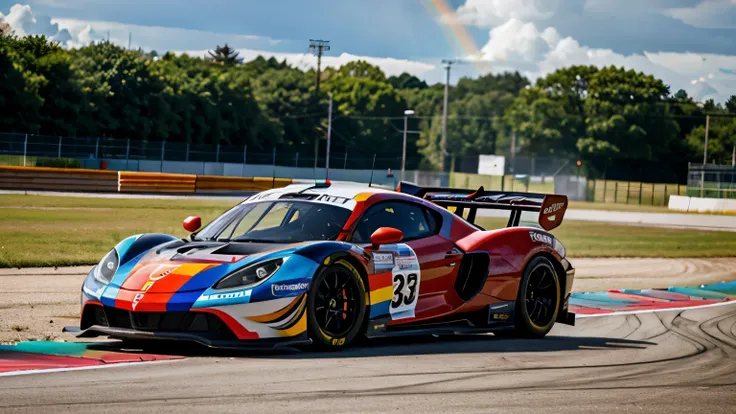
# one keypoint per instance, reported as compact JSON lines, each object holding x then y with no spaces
{"x":438,"y":257}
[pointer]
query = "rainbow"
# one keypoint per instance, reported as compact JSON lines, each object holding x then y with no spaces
{"x":454,"y":30}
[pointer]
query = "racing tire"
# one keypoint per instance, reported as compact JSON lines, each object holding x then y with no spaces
{"x":538,"y":302}
{"x":336,"y":306}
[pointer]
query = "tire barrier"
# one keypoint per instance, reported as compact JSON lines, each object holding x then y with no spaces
{"x":57,"y":179}
{"x":215,"y":184}
{"x":140,"y":182}
{"x":83,"y":180}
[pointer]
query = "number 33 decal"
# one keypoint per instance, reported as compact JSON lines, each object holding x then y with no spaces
{"x":405,"y":289}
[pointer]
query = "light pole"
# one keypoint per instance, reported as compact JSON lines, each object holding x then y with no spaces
{"x":407,"y":114}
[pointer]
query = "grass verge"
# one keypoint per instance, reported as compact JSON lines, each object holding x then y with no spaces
{"x":64,"y":231}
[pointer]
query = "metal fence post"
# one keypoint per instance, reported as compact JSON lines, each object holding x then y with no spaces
{"x":187,"y":155}
{"x":25,"y":150}
{"x":654,"y":187}
{"x":604,"y":189}
{"x":345,"y":163}
{"x":97,"y":148}
{"x":59,"y":154}
{"x":127,"y":152}
{"x":296,"y":162}
{"x":245,"y":154}
{"x":217,"y":155}
{"x":594,"y":185}
{"x":641,"y":187}
{"x":273,"y":183}
{"x":628,"y":191}
{"x":615,"y":192}
{"x":665,"y":194}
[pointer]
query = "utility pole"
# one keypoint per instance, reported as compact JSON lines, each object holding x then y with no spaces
{"x":705,"y":147}
{"x":130,"y":39}
{"x":705,"y":155}
{"x":318,"y":47}
{"x":407,"y":114}
{"x":443,"y":143}
{"x":329,"y":140}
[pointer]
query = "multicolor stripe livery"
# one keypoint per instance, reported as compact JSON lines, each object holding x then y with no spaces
{"x":323,"y":263}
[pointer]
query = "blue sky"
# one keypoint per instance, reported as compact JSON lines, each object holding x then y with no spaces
{"x":688,"y":43}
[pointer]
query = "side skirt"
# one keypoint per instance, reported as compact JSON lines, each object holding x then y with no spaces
{"x":495,"y":318}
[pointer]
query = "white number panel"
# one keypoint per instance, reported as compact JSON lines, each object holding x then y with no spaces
{"x":406,"y":277}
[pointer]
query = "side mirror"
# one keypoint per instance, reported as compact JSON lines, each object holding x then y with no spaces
{"x":192,"y":223}
{"x":386,"y":235}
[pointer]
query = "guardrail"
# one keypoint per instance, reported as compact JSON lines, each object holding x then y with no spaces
{"x":83,"y":180}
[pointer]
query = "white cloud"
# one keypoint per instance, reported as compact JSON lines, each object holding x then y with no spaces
{"x":390,"y":66}
{"x":24,"y":22}
{"x":158,"y":37}
{"x":77,"y":33}
{"x":489,"y":13}
{"x":708,"y":14}
{"x":522,"y":45}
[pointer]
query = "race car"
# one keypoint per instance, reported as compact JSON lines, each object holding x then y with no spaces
{"x":325,"y":264}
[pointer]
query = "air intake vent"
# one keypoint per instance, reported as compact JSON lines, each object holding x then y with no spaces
{"x":472,"y":274}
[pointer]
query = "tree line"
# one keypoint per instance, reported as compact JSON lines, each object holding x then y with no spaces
{"x":609,"y":117}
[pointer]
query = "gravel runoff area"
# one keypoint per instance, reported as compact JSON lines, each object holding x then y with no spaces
{"x":35,"y":303}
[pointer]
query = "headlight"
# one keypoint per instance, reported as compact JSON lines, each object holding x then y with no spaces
{"x":105,"y":270}
{"x":250,"y":275}
{"x":559,"y":248}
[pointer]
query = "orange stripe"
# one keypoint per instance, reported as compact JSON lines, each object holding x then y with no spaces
{"x":279,"y":313}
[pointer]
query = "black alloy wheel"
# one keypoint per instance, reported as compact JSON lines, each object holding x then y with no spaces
{"x":336,"y":306}
{"x":538,"y":301}
{"x":541,"y":294}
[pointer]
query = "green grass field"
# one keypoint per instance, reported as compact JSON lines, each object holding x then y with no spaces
{"x":60,"y":231}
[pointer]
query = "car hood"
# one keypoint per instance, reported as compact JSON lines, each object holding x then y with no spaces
{"x":192,"y":266}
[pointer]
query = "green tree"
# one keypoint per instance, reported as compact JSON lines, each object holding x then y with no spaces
{"x":225,"y":55}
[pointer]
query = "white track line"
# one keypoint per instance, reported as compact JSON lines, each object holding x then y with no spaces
{"x":110,"y":365}
{"x":710,"y":305}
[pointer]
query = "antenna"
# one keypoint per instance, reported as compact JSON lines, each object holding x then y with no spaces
{"x":373,"y":167}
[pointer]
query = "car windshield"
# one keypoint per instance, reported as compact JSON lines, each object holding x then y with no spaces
{"x":278,"y":222}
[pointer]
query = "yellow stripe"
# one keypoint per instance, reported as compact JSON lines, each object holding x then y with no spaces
{"x":362,"y":196}
{"x":191,"y":269}
{"x":382,"y":295}
{"x":298,"y":328}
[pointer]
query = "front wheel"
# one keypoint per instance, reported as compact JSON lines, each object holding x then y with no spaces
{"x":336,"y":306}
{"x":538,"y":302}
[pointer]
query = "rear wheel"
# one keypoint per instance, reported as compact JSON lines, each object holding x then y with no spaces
{"x":336,"y":306}
{"x":538,"y":302}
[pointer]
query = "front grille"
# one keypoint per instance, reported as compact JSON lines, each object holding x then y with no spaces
{"x":204,"y":324}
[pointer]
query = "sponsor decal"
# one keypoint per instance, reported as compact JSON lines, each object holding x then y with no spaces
{"x":541,"y":238}
{"x":553,"y":208}
{"x":287,"y":288}
{"x":160,"y":273}
{"x":137,"y":298}
{"x":500,"y":316}
{"x":228,"y":295}
{"x":383,"y":258}
{"x":332,"y":199}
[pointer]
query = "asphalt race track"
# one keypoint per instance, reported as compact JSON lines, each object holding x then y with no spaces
{"x":670,"y":361}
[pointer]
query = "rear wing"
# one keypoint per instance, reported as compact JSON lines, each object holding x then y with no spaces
{"x":551,"y":207}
